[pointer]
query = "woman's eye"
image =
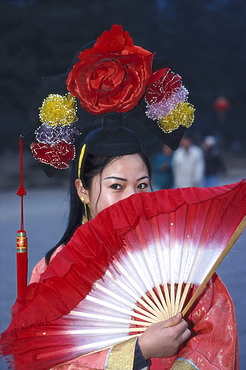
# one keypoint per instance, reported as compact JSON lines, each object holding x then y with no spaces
{"x":115,"y":186}
{"x":143,"y":185}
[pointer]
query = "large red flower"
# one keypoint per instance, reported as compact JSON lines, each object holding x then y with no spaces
{"x":112,"y":76}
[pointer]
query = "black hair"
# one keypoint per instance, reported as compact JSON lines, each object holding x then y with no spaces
{"x":93,"y":165}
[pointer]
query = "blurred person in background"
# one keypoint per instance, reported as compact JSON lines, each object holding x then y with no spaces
{"x":188,"y":164}
{"x":214,"y":163}
{"x":162,"y":168}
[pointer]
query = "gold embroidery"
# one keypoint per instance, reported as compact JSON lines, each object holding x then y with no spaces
{"x":182,"y":365}
{"x":67,"y":366}
{"x":122,"y":356}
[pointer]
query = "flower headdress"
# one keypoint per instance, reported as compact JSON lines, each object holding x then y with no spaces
{"x":112,"y":77}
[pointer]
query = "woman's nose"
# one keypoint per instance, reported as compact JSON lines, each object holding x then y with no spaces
{"x":129,"y":192}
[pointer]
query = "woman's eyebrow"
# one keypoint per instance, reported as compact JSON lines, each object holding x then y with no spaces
{"x":123,"y":179}
{"x":115,"y":178}
{"x":144,"y":177}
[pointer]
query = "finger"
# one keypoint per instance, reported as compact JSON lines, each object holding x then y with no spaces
{"x":183,"y":324}
{"x":185,"y":335}
{"x":172,"y":321}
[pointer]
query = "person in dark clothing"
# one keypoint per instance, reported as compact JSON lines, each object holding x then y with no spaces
{"x":214,"y":163}
{"x":162,"y":168}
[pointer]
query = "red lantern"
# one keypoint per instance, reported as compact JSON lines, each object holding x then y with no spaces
{"x":221,"y":104}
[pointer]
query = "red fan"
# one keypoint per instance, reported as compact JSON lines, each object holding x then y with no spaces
{"x":135,"y":264}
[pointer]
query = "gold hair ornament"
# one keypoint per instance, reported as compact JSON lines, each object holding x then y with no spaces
{"x":81,"y":156}
{"x":85,"y":217}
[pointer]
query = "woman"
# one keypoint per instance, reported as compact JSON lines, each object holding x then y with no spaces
{"x":100,"y":182}
{"x":105,"y":181}
{"x":109,"y":167}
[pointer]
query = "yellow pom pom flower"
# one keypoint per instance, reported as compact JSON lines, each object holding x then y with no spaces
{"x":182,"y":115}
{"x":58,"y":110}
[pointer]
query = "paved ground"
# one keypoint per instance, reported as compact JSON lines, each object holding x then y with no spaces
{"x":45,"y":219}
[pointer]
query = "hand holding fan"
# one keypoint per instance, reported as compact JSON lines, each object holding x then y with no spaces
{"x":151,"y":248}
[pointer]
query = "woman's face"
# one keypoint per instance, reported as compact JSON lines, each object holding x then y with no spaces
{"x":121,"y":178}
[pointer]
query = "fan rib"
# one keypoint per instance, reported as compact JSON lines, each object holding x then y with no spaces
{"x":94,"y":331}
{"x":155,"y":283}
{"x":144,"y":297}
{"x":147,"y":285}
{"x":95,"y":316}
{"x":157,"y":237}
{"x":122,"y":300}
{"x":172,"y":262}
{"x":190,"y":216}
{"x":117,"y":308}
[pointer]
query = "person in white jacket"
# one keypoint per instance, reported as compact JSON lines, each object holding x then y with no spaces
{"x":188,"y":164}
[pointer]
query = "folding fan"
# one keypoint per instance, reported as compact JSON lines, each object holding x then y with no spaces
{"x":170,"y":241}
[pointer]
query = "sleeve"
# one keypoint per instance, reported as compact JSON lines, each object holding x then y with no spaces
{"x":41,"y":267}
{"x":214,"y":342}
{"x":95,"y":361}
{"x":37,"y":271}
{"x":119,"y":357}
{"x":139,"y":361}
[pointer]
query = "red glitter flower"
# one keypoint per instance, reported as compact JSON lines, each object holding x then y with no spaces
{"x":161,"y":85}
{"x":57,"y":156}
